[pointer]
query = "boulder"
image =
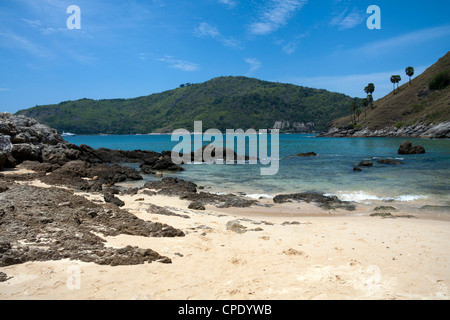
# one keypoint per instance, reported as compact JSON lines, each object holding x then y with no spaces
{"x":307,"y":154}
{"x":407,"y":148}
{"x":196,"y":205}
{"x":217,"y":152}
{"x":325,"y":202}
{"x":365,"y":163}
{"x":389,"y":161}
{"x":26,"y":151}
{"x":150,"y":166}
{"x":5,"y":144}
{"x":110,"y":198}
{"x":172,"y":186}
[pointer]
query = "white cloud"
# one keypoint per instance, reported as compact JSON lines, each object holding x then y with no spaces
{"x":229,"y":3}
{"x":346,"y":20}
{"x":205,"y":30}
{"x":354,"y":84}
{"x":33,"y":23}
{"x":16,"y":41}
{"x":5,"y":89}
{"x":254,"y":63}
{"x":289,"y":47}
{"x":275,"y":15}
{"x":407,"y":40}
{"x":179,"y":64}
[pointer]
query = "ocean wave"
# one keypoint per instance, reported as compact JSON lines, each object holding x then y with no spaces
{"x":362,"y":196}
{"x":259,"y":195}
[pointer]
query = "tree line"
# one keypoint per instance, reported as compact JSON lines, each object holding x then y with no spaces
{"x":355,"y":108}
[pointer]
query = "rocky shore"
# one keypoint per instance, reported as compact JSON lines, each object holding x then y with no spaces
{"x":439,"y":131}
{"x":63,"y":207}
{"x":40,"y":224}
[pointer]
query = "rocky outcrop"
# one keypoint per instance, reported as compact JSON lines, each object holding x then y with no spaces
{"x":187,"y":190}
{"x":389,"y":161}
{"x":24,"y":139}
{"x":306,"y":154}
{"x":39,"y":224}
{"x":439,"y":131}
{"x":172,"y":186}
{"x":325,"y":202}
{"x":407,"y":148}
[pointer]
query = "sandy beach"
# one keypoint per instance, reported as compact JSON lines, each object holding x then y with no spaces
{"x":283,"y":252}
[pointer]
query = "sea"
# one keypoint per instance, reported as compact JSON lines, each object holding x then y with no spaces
{"x":422,"y":181}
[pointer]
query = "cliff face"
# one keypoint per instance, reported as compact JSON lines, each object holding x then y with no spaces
{"x":415,"y":110}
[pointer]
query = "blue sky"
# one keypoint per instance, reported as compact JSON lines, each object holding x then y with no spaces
{"x":132,"y":48}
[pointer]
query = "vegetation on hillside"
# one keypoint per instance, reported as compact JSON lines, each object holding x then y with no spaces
{"x":222,"y":103}
{"x":425,"y":99}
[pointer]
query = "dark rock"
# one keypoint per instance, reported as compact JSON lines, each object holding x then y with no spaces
{"x":220,"y":201}
{"x":382,"y":214}
{"x":110,"y":198}
{"x":39,"y":167}
{"x":147,"y":169}
{"x":196,"y":205}
{"x":325,"y":202}
{"x":307,"y":154}
{"x":159,"y":163}
{"x":357,"y":169}
{"x":149,"y":193}
{"x":38,"y":229}
{"x":365,"y":163}
{"x":25,"y":151}
{"x":384,"y":208}
{"x":217,"y":152}
{"x":22,"y":137}
{"x":60,"y":153}
{"x":130,"y":191}
{"x":235,"y":226}
{"x":389,"y":161}
{"x":5,"y":144}
{"x":154,"y":209}
{"x":172,"y":186}
{"x":407,"y":148}
{"x":3,"y":159}
{"x":3,"y":186}
{"x":4,"y":277}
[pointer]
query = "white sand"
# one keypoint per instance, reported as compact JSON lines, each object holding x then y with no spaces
{"x":322,"y":257}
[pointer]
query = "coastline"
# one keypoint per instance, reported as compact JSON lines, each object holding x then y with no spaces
{"x":308,"y":255}
{"x":76,"y":225}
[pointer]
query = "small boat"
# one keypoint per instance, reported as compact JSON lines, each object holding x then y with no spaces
{"x":67,"y":134}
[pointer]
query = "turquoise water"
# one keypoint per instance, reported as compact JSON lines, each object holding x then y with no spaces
{"x":423,"y":176}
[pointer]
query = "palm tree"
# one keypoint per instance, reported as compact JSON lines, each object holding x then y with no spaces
{"x":409,"y":72}
{"x":394,"y":80}
{"x":353,"y":108}
{"x":365,"y":103}
{"x":398,"y":79}
{"x":369,"y":90}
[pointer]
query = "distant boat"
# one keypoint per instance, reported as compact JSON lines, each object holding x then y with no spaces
{"x":67,"y":134}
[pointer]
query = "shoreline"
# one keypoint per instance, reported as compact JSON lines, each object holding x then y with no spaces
{"x":310,"y":256}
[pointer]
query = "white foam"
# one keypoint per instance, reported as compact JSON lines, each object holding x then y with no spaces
{"x":364,"y":197}
{"x":259,"y":195}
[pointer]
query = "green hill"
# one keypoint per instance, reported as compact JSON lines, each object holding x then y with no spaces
{"x":222,"y":103}
{"x":426,"y":101}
